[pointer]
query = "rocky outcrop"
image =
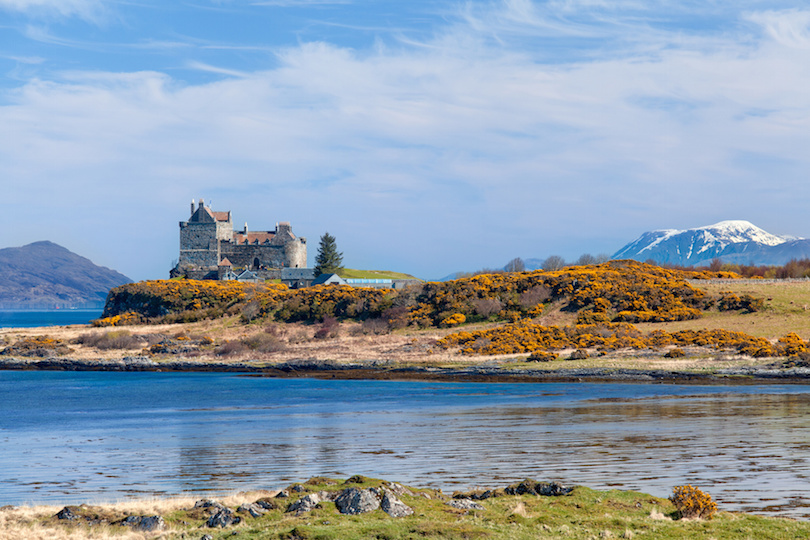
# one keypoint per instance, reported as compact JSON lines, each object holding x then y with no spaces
{"x":357,"y":501}
{"x":392,"y":506}
{"x":354,"y":501}
{"x":530,"y":487}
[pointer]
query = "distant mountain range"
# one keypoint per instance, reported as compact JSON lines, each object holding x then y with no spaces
{"x":46,"y":275}
{"x":736,"y":242}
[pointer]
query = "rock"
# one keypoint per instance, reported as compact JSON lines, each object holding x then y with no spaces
{"x":206,"y":537}
{"x":357,"y":501}
{"x":465,"y":504}
{"x":298,"y":488}
{"x":67,"y":513}
{"x":283,"y":494}
{"x":305,"y":503}
{"x":253,"y":509}
{"x":397,"y":489}
{"x":144,"y":523}
{"x":393,"y":506}
{"x":266,"y":504}
{"x":223,"y":518}
{"x":208,"y":503}
{"x":530,"y":487}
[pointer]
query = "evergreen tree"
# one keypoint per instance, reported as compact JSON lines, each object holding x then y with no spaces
{"x":329,"y":260}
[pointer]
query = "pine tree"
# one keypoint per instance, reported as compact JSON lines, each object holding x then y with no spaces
{"x":329,"y":260}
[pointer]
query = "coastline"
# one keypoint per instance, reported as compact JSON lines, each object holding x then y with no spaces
{"x":386,"y":370}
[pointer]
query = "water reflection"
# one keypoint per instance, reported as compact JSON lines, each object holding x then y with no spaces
{"x":747,"y":445}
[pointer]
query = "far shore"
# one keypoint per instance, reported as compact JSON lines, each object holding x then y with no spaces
{"x":352,"y":354}
{"x":376,"y":370}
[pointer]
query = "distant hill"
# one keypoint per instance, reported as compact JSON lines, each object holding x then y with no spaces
{"x":46,"y":275}
{"x":736,"y":242}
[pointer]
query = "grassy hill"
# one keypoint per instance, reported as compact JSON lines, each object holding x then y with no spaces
{"x":350,"y":273}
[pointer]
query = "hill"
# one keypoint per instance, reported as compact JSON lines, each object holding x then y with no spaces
{"x":46,"y":275}
{"x":735,"y":242}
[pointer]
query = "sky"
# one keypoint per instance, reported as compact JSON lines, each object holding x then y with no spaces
{"x":428,"y":137}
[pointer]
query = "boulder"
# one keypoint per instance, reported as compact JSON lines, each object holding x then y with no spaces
{"x":357,"y":501}
{"x":253,"y":509}
{"x":465,"y":504}
{"x":67,"y":513}
{"x":223,"y":518}
{"x":144,"y":523}
{"x":266,"y":503}
{"x":392,"y":506}
{"x":305,"y":503}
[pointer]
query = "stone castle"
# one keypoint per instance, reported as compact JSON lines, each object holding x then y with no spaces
{"x":211,"y":249}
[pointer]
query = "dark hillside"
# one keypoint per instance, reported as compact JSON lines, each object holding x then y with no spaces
{"x":46,"y":275}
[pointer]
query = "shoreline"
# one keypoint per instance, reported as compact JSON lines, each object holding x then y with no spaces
{"x":383,"y":370}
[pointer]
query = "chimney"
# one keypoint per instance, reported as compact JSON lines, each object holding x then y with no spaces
{"x":246,"y":228}
{"x":192,"y":206}
{"x":202,"y":204}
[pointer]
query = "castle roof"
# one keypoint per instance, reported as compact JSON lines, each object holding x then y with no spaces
{"x":205,"y":214}
{"x":225,"y":262}
{"x":252,"y":237}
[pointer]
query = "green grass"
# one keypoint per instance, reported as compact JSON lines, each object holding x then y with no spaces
{"x":350,"y":273}
{"x":787,"y":309}
{"x":585,"y":513}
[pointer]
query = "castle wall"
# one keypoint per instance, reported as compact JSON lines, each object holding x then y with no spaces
{"x":269,"y":255}
{"x":198,"y":244}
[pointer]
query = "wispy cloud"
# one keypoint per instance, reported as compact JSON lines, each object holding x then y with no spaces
{"x":85,"y":9}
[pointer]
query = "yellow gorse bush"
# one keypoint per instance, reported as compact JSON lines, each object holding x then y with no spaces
{"x":529,"y":337}
{"x":617,"y":291}
{"x":693,"y":503}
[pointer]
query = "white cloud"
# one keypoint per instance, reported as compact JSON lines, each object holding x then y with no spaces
{"x":465,"y":141}
{"x":789,"y":28}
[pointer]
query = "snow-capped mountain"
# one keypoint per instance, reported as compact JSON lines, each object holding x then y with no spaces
{"x":737,"y":242}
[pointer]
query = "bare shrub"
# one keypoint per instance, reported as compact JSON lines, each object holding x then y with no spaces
{"x":396,"y":316}
{"x":264,"y":343}
{"x":486,"y":307}
{"x":114,"y":339}
{"x":534,"y":296}
{"x":251,"y":310}
{"x":231,"y":348}
{"x":328,"y":329}
{"x":375,"y":326}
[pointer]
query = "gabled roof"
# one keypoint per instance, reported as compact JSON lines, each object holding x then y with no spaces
{"x":325,"y":279}
{"x":247,"y":274}
{"x":225,"y":262}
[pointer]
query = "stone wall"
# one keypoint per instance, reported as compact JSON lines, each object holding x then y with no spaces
{"x":198,"y":245}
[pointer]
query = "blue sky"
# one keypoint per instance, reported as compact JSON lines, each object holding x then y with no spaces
{"x":427,"y":137}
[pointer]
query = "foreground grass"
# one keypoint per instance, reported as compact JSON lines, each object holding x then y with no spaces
{"x":585,"y":513}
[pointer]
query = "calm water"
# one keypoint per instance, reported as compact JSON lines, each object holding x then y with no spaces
{"x":72,"y":437}
{"x":56,"y":317}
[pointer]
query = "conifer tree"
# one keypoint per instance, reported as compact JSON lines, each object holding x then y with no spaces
{"x":329,"y":260}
